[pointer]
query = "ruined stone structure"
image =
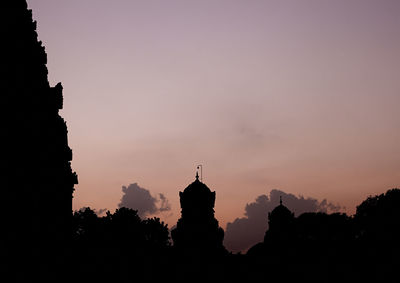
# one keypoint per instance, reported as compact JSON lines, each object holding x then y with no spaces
{"x":35,"y":170}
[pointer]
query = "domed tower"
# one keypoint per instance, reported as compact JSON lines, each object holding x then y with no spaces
{"x":197,"y":229}
{"x":280,"y":222}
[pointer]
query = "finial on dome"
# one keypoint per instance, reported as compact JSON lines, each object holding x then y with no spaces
{"x":197,"y":175}
{"x":280,"y":200}
{"x":201,"y":172}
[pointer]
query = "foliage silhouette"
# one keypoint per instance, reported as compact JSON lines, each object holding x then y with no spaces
{"x":377,"y":217}
{"x":122,"y":229}
{"x":334,"y":245}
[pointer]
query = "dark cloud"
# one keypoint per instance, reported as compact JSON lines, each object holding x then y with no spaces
{"x":99,"y":212}
{"x":164,"y":206}
{"x":140,"y":199}
{"x":244,"y":232}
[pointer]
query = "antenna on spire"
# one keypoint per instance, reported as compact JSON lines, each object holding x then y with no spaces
{"x":201,"y":172}
{"x":280,"y":200}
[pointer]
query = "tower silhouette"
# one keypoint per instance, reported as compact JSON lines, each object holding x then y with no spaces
{"x":36,"y":175}
{"x":280,"y":223}
{"x":197,"y":230}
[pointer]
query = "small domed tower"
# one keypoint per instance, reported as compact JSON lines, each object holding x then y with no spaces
{"x":197,"y":229}
{"x":280,"y":222}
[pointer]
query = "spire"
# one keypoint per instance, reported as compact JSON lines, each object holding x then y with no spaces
{"x":280,"y":200}
{"x":197,"y":175}
{"x":201,"y":172}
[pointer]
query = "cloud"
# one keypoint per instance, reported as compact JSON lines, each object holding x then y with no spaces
{"x":141,"y":200}
{"x":243,"y":233}
{"x":100,"y":211}
{"x":164,"y":206}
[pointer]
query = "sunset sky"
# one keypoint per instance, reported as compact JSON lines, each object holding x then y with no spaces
{"x":300,"y":96}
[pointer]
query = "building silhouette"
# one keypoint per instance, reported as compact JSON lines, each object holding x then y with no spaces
{"x":35,"y":170}
{"x":197,"y":231}
{"x":279,"y":235}
{"x":280,"y":223}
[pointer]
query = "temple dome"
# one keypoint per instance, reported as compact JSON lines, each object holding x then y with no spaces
{"x":197,"y":199}
{"x":281,"y":211}
{"x":280,"y":218}
{"x":197,"y":187}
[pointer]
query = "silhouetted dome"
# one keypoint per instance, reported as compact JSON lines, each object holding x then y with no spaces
{"x":197,"y":187}
{"x":281,"y":211}
{"x":280,"y":218}
{"x":197,"y":199}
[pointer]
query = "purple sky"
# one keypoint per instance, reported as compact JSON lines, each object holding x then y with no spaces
{"x":301,"y":96}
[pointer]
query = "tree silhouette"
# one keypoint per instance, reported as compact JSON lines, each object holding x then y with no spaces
{"x":156,"y":233}
{"x":123,"y":230}
{"x":378,"y":217}
{"x":86,"y":226}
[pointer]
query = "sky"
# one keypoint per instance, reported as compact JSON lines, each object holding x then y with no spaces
{"x":296,"y":96}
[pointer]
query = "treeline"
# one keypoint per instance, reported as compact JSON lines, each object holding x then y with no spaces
{"x":313,"y":247}
{"x":320,"y":247}
{"x":118,"y":247}
{"x":376,"y":219}
{"x":122,"y":229}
